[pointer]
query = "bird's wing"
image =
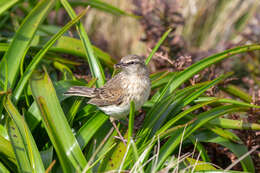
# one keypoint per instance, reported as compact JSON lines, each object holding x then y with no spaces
{"x":110,"y":94}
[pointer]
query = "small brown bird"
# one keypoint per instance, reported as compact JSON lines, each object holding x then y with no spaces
{"x":131,"y":84}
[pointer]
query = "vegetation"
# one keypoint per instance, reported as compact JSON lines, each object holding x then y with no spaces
{"x":41,"y":130}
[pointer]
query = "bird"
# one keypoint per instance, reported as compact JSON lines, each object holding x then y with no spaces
{"x":132,"y":83}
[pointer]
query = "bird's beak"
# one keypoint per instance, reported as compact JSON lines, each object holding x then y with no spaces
{"x":118,"y":65}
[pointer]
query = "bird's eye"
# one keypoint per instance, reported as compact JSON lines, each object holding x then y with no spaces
{"x":129,"y":63}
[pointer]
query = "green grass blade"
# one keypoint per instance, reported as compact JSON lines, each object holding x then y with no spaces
{"x":26,"y":151}
{"x":94,"y":64}
{"x":224,"y":100}
{"x":33,"y":64}
{"x":86,"y":132}
{"x":22,"y":39}
{"x":102,"y":6}
{"x":75,"y":47}
{"x":131,"y":121}
{"x":56,"y":125}
{"x":234,"y":124}
{"x":236,"y":91}
{"x":183,"y":76}
{"x":7,"y":154}
{"x":182,"y":114}
{"x":223,"y":133}
{"x":4,"y":5}
{"x":196,"y":94}
{"x":157,"y":45}
{"x":237,"y":149}
{"x":203,"y":118}
{"x":3,"y":169}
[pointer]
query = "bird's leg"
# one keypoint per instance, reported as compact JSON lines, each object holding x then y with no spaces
{"x":117,"y":130}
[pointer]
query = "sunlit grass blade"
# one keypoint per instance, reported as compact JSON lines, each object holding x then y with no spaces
{"x":181,"y":103}
{"x":86,"y":132}
{"x":196,"y":94}
{"x":203,"y":118}
{"x":4,"y":5}
{"x":75,"y":47}
{"x":24,"y":146}
{"x":200,"y":148}
{"x":56,"y":125}
{"x":224,"y":100}
{"x":22,"y":39}
{"x":7,"y":154}
{"x":236,"y":91}
{"x":237,"y":149}
{"x":182,"y":114}
{"x":183,"y":76}
{"x":33,"y":64}
{"x":157,"y":46}
{"x":225,"y":133}
{"x":234,"y":124}
{"x":131,"y":121}
{"x":195,"y":165}
{"x":94,"y":64}
{"x":3,"y":168}
{"x":102,"y":6}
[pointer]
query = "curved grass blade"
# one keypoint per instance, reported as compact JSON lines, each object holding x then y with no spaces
{"x":181,"y":77}
{"x":75,"y":47}
{"x":22,"y":39}
{"x":181,"y":115}
{"x":236,"y":91}
{"x":158,"y":44}
{"x":94,"y":64}
{"x":180,"y":103}
{"x":224,"y":100}
{"x":200,"y":149}
{"x":196,"y":94}
{"x":223,"y":133}
{"x":234,"y":124}
{"x":194,"y":165}
{"x":3,"y":169}
{"x":238,"y":149}
{"x":56,"y":125}
{"x":203,"y":118}
{"x":102,"y":6}
{"x":33,"y":64}
{"x":87,"y":131}
{"x":7,"y":154}
{"x":4,"y":5}
{"x":131,"y":121}
{"x":24,"y":146}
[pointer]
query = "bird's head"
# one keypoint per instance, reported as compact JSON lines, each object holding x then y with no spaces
{"x":131,"y":64}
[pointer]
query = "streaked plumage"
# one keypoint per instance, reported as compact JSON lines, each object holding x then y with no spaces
{"x":132,"y":83}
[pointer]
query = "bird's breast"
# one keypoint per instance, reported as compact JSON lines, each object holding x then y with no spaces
{"x":137,"y":89}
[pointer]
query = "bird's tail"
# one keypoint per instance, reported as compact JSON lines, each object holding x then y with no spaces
{"x":81,"y":91}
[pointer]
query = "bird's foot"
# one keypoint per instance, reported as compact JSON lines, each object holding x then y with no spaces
{"x":118,"y":132}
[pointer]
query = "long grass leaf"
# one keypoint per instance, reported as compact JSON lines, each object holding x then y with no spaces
{"x":56,"y":125}
{"x":22,"y":39}
{"x":203,"y":118}
{"x":26,"y":151}
{"x":86,"y":132}
{"x":234,"y":124}
{"x":33,"y":64}
{"x":4,"y":5}
{"x":157,"y":46}
{"x":181,"y":77}
{"x":102,"y":6}
{"x":94,"y":64}
{"x":131,"y":121}
{"x":7,"y":154}
{"x":238,"y":149}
